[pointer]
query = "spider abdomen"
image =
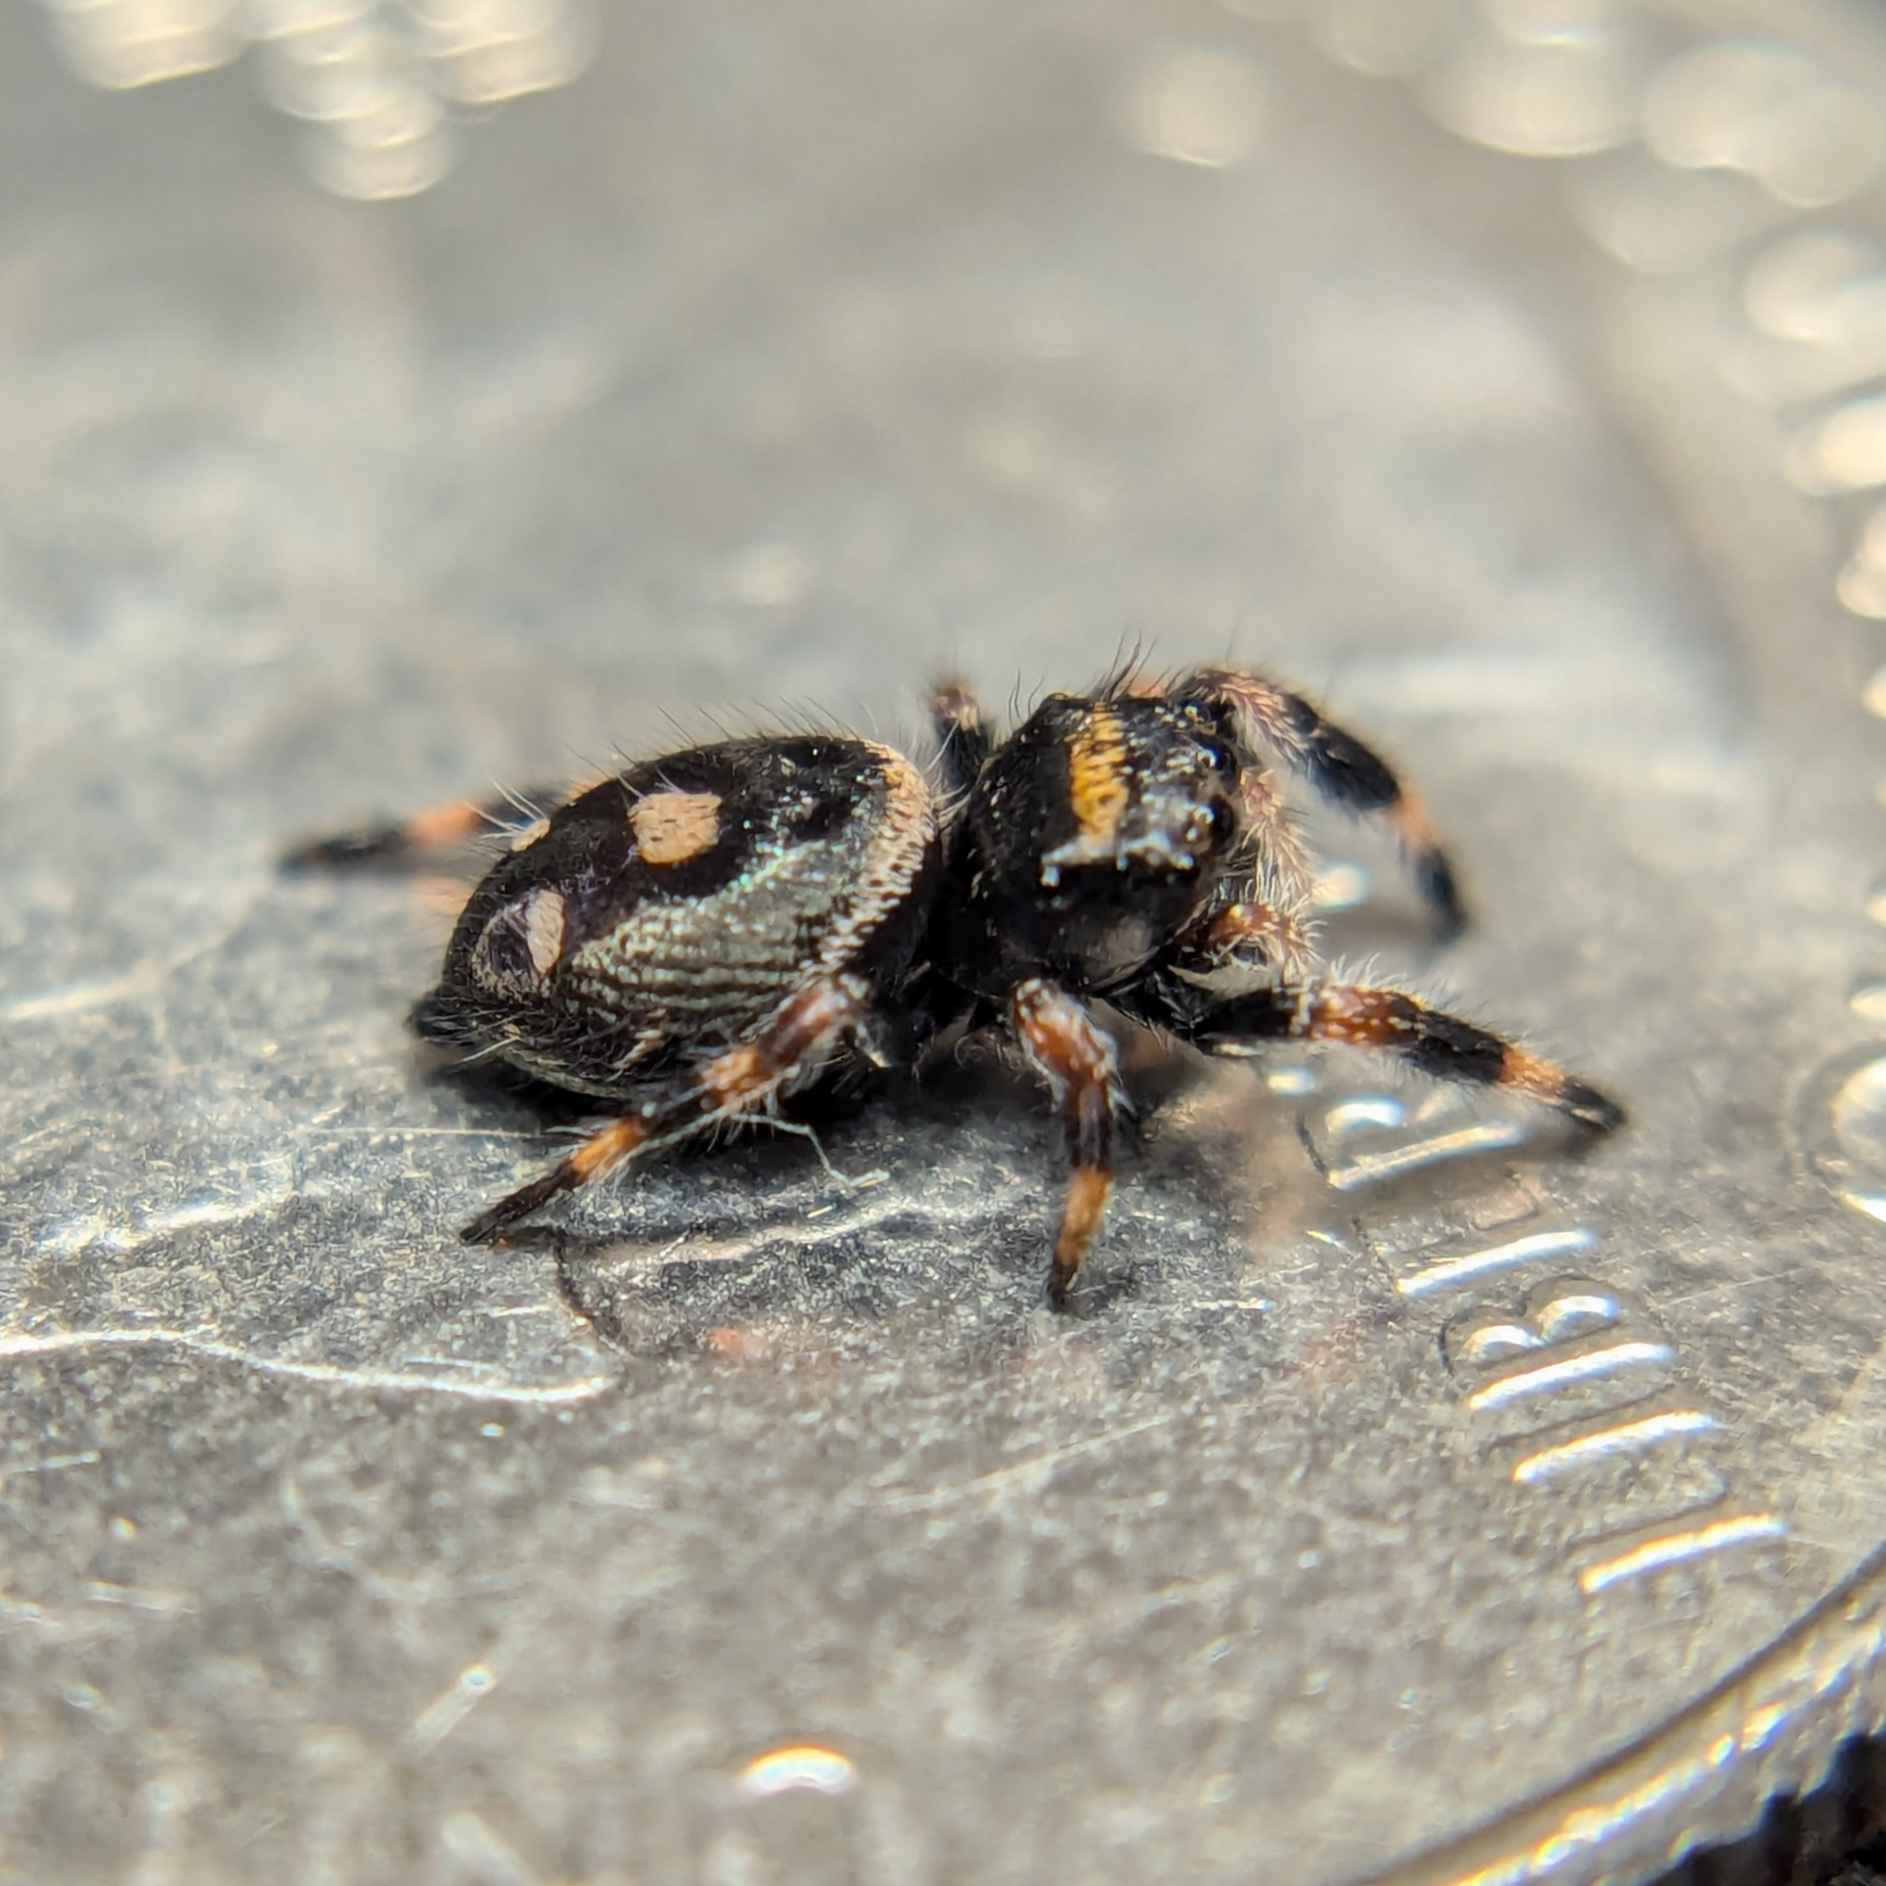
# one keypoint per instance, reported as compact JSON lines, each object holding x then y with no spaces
{"x":679,"y":903}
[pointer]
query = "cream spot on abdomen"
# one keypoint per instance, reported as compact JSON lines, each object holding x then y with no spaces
{"x":672,"y":827}
{"x":544,"y":920}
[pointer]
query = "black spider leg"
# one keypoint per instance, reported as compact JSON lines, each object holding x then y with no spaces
{"x":1358,"y":1015}
{"x":422,"y":836}
{"x":803,"y":1030}
{"x":934,"y":1007}
{"x":1337,"y":765}
{"x":962,"y":734}
{"x":1075,"y":1056}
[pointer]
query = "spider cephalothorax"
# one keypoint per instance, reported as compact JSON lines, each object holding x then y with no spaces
{"x":691,"y":939}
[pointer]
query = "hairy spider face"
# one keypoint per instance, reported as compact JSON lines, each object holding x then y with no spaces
{"x":1094,"y":835}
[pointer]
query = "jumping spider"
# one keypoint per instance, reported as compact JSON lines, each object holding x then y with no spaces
{"x":701,"y":934}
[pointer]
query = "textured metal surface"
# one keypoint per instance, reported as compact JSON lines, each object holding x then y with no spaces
{"x":1404,"y":1488}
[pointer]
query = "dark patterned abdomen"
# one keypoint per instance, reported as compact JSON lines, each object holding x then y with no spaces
{"x":682,"y":901}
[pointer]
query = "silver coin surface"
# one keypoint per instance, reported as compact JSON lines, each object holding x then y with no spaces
{"x":1410,"y":1498}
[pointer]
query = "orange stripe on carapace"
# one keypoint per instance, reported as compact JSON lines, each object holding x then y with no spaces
{"x":1096,"y":775}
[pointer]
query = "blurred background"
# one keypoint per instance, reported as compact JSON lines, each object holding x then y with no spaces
{"x":404,"y":397}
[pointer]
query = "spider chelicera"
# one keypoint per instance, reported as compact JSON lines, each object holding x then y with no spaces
{"x":699,"y":935}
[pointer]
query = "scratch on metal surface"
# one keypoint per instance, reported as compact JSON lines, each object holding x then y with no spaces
{"x":418,"y":1132}
{"x":139,"y":1597}
{"x":1021,"y":1470}
{"x":141,"y":979}
{"x":82,"y":1234}
{"x":586,"y":1388}
{"x":53,"y":1463}
{"x":811,"y":1229}
{"x":1737,"y":1285}
{"x":1198,"y":1305}
{"x":1866,"y":1380}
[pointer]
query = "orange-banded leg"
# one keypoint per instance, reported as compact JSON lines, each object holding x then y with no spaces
{"x":800,"y":1032}
{"x":1337,"y":765}
{"x":1357,"y":1016}
{"x":962,"y":733}
{"x":1251,"y":935}
{"x":1077,"y":1060}
{"x":422,"y":836}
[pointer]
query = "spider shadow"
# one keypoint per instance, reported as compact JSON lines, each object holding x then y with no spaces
{"x":962,"y":1176}
{"x":949,"y":1232}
